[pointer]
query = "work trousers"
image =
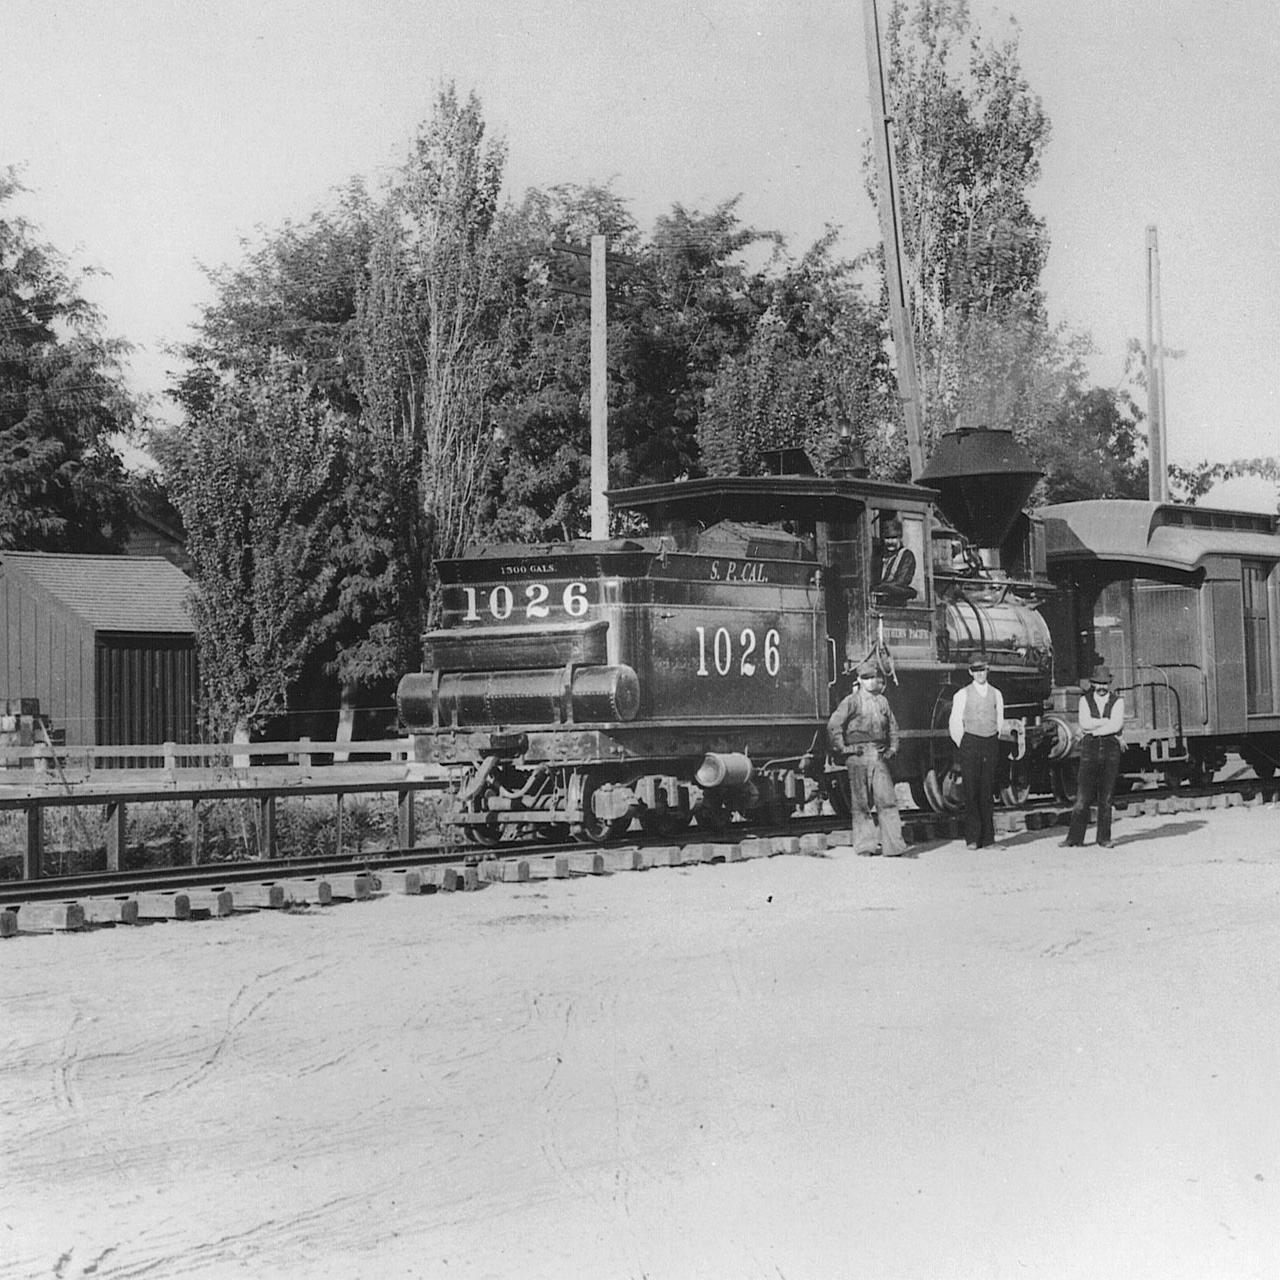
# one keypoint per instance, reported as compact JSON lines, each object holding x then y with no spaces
{"x":870,"y":779}
{"x":1099,"y":767}
{"x":978,"y":784}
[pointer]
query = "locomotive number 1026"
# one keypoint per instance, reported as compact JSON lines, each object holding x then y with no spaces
{"x":500,"y":603}
{"x":719,"y":654}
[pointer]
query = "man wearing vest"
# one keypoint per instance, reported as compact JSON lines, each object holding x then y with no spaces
{"x":863,"y":730}
{"x":897,"y":567}
{"x":1101,"y":722}
{"x":977,"y":718}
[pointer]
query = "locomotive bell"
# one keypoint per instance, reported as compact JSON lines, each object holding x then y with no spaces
{"x":983,"y":476}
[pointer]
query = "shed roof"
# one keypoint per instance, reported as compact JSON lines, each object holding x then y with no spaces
{"x":1154,"y":533}
{"x":110,"y":593}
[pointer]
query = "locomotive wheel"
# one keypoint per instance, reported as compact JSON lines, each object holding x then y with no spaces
{"x":664,"y":821}
{"x":485,"y":834}
{"x":594,"y":830}
{"x":1014,"y":793}
{"x":838,"y":793}
{"x":1258,"y":759}
{"x":943,"y":793}
{"x":773,"y":807}
{"x":550,"y":832}
{"x":712,"y":815}
{"x":1065,"y":776}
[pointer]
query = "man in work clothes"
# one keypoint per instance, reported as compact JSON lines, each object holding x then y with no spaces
{"x":1101,"y":722}
{"x":977,"y":718}
{"x":863,"y":730}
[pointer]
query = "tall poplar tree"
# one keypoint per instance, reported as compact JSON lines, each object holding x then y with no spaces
{"x":431,"y":327}
{"x":970,"y":134}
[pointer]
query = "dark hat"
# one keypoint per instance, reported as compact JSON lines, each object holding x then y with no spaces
{"x":1101,"y":675}
{"x":868,"y":669}
{"x":977,"y":664}
{"x":892,"y":529}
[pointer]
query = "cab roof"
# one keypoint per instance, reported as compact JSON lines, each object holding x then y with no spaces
{"x":761,"y":499}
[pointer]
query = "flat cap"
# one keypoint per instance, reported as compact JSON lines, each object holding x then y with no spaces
{"x":868,"y":668}
{"x":977,"y":664}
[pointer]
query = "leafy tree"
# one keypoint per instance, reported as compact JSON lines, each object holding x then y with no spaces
{"x":430,"y":330}
{"x":970,"y":135}
{"x":1195,"y":482}
{"x":254,"y":476}
{"x":62,"y":397}
{"x":814,"y":369}
{"x":695,"y":303}
{"x":542,"y":487}
{"x":1090,"y":449}
{"x":293,"y":298}
{"x":681,"y":302}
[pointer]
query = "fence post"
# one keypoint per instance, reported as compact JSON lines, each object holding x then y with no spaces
{"x":195,"y":833}
{"x":304,"y":755}
{"x":33,"y":855}
{"x":407,"y":824}
{"x":170,"y":756}
{"x":115,"y":834}
{"x":338,"y":837}
{"x":266,"y":826}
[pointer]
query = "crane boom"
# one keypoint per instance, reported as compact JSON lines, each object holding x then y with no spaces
{"x":891,"y":234}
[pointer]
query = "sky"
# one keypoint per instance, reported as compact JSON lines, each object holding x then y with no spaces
{"x":154,"y":136}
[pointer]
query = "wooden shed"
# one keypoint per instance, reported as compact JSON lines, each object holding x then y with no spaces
{"x":105,"y":643}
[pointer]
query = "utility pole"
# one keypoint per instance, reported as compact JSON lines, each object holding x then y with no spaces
{"x":599,"y":393}
{"x":891,"y":235}
{"x":598,"y":293}
{"x":1158,"y":463}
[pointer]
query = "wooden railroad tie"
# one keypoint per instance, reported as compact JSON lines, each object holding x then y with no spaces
{"x":49,"y":917}
{"x":111,"y":910}
{"x":163,"y":906}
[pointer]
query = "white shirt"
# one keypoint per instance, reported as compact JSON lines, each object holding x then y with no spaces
{"x":1101,"y":726}
{"x":955,"y":726}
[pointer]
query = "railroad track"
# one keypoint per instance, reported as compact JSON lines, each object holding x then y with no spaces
{"x":224,"y":888}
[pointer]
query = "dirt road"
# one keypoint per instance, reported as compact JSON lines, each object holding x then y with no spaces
{"x":1021,"y":1061}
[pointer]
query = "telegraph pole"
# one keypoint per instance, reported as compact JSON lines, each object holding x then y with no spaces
{"x":891,"y":235}
{"x":1158,"y":463}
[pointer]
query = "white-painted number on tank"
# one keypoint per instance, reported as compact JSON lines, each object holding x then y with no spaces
{"x":500,"y":604}
{"x":537,"y":593}
{"x":718,"y":654}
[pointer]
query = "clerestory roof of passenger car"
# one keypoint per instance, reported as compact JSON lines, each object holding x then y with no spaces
{"x":1161,"y":534}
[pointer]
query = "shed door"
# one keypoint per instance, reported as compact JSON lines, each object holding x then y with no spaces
{"x":147,"y":689}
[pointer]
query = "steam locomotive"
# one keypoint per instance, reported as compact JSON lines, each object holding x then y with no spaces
{"x":687,"y":673}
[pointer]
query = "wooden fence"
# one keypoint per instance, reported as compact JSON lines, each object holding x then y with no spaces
{"x":35,"y":779}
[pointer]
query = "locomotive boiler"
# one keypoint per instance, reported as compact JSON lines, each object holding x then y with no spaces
{"x":686,"y":674}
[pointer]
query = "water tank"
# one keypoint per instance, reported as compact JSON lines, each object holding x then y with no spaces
{"x":983,"y":477}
